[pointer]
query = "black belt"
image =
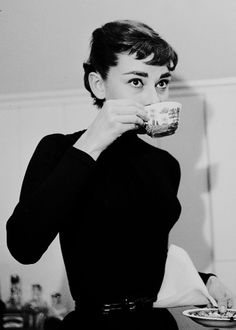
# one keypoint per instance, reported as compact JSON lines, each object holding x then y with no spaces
{"x":124,"y":305}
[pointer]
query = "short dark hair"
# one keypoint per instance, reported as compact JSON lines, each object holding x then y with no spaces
{"x":128,"y":37}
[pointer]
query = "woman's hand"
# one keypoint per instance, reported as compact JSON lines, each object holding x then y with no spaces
{"x":115,"y":118}
{"x":223,"y":296}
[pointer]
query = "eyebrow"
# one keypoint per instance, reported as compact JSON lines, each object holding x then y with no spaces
{"x":145,"y":74}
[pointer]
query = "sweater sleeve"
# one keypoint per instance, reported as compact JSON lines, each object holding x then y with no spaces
{"x":54,"y":178}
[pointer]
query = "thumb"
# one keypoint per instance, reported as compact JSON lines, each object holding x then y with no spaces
{"x":222,"y":305}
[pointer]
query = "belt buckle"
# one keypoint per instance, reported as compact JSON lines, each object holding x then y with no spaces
{"x":109,"y":308}
{"x":129,"y":305}
{"x":125,"y":305}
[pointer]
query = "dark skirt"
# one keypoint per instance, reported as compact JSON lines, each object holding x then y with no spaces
{"x":148,"y":319}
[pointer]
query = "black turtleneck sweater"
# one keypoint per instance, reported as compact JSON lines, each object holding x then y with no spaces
{"x":113,"y":215}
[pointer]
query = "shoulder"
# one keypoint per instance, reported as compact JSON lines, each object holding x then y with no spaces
{"x":162,"y":155}
{"x":58,"y":141}
{"x":165,"y":161}
{"x":171,"y":163}
{"x":53,"y":146}
{"x":170,"y":158}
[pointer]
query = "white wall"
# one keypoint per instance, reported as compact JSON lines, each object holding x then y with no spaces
{"x":43,"y":43}
{"x":204,"y":145}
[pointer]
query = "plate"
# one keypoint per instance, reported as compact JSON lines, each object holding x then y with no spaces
{"x":210,"y":317}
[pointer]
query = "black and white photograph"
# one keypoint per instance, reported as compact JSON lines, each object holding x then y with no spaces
{"x":117,"y":164}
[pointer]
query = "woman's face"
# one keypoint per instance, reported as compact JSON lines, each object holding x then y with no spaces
{"x":136,"y":80}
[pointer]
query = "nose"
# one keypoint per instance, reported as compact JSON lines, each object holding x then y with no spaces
{"x":151,"y":96}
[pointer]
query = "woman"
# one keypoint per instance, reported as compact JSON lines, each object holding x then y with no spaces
{"x":95,"y":188}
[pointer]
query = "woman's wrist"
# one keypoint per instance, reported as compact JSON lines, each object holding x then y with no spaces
{"x":83,"y":144}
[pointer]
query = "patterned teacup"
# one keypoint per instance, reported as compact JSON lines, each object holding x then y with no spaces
{"x":164,"y":118}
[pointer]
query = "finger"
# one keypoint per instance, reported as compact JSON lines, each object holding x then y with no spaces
{"x":222,"y":305}
{"x":125,"y":102}
{"x":129,"y":127}
{"x":132,"y":110}
{"x":209,"y":305}
{"x":230,"y":303}
{"x":143,"y":114}
{"x":124,"y":105}
{"x":234,"y":302}
{"x":130,"y":119}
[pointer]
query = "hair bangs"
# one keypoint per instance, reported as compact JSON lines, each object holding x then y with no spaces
{"x":162,"y":53}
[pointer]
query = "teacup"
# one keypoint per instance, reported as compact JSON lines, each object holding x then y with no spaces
{"x":163,"y":118}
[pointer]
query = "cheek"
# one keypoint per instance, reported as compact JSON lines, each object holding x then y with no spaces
{"x":119,"y":92}
{"x":114,"y":91}
{"x":164,"y":96}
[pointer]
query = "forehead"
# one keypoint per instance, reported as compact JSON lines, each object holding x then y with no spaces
{"x":128,"y":63}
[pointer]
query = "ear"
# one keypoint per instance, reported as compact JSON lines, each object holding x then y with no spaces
{"x":97,"y":85}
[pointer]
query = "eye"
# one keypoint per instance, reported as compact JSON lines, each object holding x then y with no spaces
{"x":163,"y":84}
{"x":137,"y":83}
